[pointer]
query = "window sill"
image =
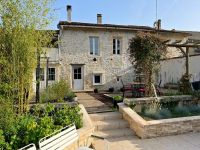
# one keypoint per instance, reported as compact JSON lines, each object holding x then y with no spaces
{"x":97,"y":84}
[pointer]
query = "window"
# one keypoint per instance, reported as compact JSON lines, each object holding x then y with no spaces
{"x":51,"y":74}
{"x":116,"y":46}
{"x":94,"y":45}
{"x":97,"y":79}
{"x":77,"y":73}
{"x":41,"y":74}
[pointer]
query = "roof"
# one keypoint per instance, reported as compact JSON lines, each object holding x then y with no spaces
{"x":67,"y":24}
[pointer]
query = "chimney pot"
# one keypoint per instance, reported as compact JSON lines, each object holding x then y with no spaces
{"x":69,"y":13}
{"x":159,"y":24}
{"x":99,"y":18}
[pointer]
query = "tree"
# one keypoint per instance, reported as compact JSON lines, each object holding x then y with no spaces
{"x":145,"y":52}
{"x":21,"y":38}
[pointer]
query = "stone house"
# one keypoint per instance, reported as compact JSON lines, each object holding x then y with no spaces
{"x":94,"y":55}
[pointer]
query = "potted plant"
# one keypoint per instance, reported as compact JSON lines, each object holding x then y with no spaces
{"x":70,"y":97}
{"x":96,"y":90}
{"x":111,"y":89}
{"x":117,"y":99}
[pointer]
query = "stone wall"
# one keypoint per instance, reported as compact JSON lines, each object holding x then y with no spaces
{"x":169,"y":74}
{"x":156,"y":128}
{"x":75,"y":49}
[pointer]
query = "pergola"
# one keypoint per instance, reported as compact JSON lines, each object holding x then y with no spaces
{"x":184,"y":47}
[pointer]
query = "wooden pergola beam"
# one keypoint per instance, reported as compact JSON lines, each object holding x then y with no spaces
{"x":184,"y":45}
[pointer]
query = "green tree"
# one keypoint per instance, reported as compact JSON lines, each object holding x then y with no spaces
{"x":21,"y":38}
{"x":145,"y":52}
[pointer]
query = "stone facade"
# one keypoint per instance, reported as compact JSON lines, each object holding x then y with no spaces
{"x":75,"y":50}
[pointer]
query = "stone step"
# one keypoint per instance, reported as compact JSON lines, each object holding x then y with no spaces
{"x":110,"y":125}
{"x":98,"y":110}
{"x":107,"y":144}
{"x":106,"y":116}
{"x":114,"y":133}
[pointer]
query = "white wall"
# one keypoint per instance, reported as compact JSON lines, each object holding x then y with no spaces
{"x":54,"y":62}
{"x":172,"y":69}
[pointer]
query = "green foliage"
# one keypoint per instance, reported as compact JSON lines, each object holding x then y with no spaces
{"x":185,"y":86}
{"x":132,"y":105}
{"x":40,"y":122}
{"x":20,"y":38}
{"x":66,"y":116}
{"x":117,"y":98}
{"x":3,"y":143}
{"x":145,"y":52}
{"x":57,"y":91}
{"x":168,"y":110}
{"x":196,"y":94}
{"x":181,"y":111}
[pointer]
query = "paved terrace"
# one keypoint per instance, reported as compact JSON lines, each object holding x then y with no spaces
{"x":178,"y":142}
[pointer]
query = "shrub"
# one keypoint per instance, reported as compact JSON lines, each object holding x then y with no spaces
{"x":117,"y":98}
{"x":70,"y":96}
{"x":111,"y":89}
{"x":165,"y":113}
{"x":41,"y":121}
{"x":56,"y":91}
{"x":96,"y":90}
{"x":181,"y":111}
{"x":195,"y":110}
{"x":3,"y":143}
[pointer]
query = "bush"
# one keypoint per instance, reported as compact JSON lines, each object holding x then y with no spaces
{"x":3,"y":143}
{"x":56,"y":92}
{"x":111,"y":89}
{"x":181,"y":111}
{"x":117,"y":98}
{"x":165,"y":113}
{"x":41,"y":121}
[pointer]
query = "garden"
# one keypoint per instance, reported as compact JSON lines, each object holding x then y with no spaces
{"x":21,"y":44}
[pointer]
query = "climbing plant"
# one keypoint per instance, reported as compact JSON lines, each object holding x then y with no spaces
{"x":145,"y":53}
{"x":21,"y":37}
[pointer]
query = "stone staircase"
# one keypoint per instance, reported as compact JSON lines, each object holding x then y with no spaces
{"x":109,"y":125}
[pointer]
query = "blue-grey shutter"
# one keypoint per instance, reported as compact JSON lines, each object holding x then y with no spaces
{"x":91,"y":45}
{"x":96,"y":46}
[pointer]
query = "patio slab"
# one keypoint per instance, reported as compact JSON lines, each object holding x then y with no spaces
{"x":178,"y":142}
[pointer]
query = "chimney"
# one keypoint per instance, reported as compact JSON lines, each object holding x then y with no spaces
{"x":99,"y":19}
{"x":69,"y":13}
{"x":159,"y":24}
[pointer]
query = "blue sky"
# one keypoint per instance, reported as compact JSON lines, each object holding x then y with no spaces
{"x":175,"y":14}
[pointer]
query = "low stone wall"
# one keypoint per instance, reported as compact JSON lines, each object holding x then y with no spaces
{"x":150,"y":129}
{"x":84,"y":133}
{"x":147,"y":100}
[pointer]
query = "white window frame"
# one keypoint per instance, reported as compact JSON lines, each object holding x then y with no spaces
{"x":115,"y":50}
{"x":101,"y":78}
{"x":93,"y":38}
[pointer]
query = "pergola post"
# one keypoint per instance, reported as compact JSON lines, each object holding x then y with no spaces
{"x":187,"y":62}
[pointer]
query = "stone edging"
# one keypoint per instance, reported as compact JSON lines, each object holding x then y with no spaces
{"x":156,"y":128}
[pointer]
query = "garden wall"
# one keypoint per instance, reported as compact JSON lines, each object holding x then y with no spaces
{"x":172,"y":69}
{"x":150,"y":129}
{"x":84,"y":133}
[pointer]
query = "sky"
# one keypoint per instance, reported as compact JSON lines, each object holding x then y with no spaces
{"x":175,"y":14}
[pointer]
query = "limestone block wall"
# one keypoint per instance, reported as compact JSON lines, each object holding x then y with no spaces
{"x":156,"y":128}
{"x":75,"y":49}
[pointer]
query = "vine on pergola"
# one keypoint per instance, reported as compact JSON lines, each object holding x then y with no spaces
{"x":145,"y":53}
